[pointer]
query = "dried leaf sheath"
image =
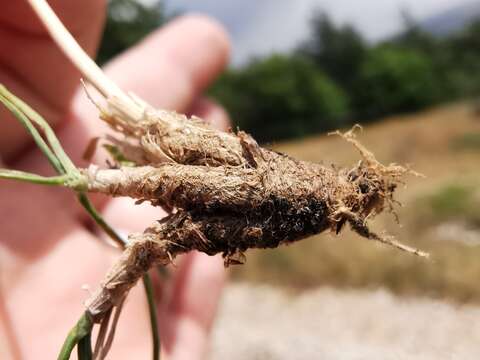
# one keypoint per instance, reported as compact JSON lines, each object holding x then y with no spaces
{"x":162,"y":135}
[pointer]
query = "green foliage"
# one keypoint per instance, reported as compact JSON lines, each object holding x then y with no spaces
{"x":462,"y":60}
{"x":281,"y":97}
{"x":128,"y":21}
{"x":467,"y":141}
{"x":394,"y":80}
{"x":334,"y":79}
{"x":365,"y":82}
{"x":414,"y":37}
{"x":452,"y":202}
{"x":339,"y":51}
{"x":454,"y":58}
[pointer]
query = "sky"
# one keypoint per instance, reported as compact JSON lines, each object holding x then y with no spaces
{"x":259,"y":27}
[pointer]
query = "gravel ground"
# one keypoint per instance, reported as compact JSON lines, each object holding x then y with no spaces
{"x":260,"y":322}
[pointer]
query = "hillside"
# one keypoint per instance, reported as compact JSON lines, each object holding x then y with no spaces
{"x":452,"y":20}
{"x":439,"y":213}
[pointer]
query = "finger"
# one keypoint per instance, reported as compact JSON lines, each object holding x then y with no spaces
{"x":49,"y":82}
{"x":46,"y":299}
{"x":187,"y":318}
{"x":9,"y":347}
{"x":126,"y":216}
{"x":170,"y":68}
{"x":213,"y":113}
{"x":33,"y":218}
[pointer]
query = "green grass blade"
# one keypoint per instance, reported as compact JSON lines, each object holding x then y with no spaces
{"x":152,"y":308}
{"x":84,"y":348}
{"x":24,"y":120}
{"x":95,"y":215}
{"x":32,"y":178}
{"x":79,"y":331}
{"x":42,"y":124}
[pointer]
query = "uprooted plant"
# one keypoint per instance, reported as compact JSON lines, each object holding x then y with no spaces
{"x":223,"y":192}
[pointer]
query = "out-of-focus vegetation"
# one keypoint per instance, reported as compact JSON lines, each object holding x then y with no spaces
{"x":393,"y":80}
{"x":267,"y":92}
{"x":334,"y":78}
{"x":405,"y":74}
{"x":467,"y":141}
{"x":453,"y":202}
{"x":440,"y":215}
{"x":128,"y":21}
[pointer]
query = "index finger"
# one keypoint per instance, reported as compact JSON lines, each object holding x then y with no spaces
{"x":34,"y":68}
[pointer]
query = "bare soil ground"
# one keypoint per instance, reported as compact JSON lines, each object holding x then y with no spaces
{"x":263,"y":322}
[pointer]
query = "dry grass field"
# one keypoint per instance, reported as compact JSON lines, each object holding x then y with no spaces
{"x":440,"y":213}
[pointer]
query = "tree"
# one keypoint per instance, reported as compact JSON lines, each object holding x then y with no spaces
{"x":394,"y":80}
{"x":463,"y":59}
{"x":128,"y":21}
{"x":339,"y":51}
{"x":414,"y":36}
{"x":282,"y":97}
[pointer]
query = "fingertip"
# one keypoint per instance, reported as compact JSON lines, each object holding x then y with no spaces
{"x":212,"y":112}
{"x":192,"y":306}
{"x":197,"y":288}
{"x":171,"y":66}
{"x":210,"y":30}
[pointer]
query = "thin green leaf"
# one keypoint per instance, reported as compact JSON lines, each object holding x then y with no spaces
{"x":40,"y":122}
{"x":84,"y":348}
{"x":23,"y":119}
{"x":32,"y":178}
{"x":147,"y":283}
{"x":118,"y":156}
{"x":79,"y":331}
{"x":95,"y":215}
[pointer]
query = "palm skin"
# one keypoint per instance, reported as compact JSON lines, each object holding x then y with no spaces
{"x":47,"y":246}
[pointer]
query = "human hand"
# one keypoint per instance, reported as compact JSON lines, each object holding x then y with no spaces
{"x":47,"y":246}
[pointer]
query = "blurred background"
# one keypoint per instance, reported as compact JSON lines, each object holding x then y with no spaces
{"x":409,"y":71}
